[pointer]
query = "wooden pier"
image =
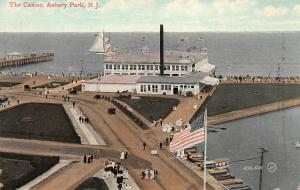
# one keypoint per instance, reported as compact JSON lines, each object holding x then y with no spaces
{"x":28,"y":59}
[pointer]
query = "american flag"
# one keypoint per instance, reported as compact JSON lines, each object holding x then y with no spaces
{"x":190,"y":136}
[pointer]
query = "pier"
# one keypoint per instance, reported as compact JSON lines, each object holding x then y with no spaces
{"x":16,"y":60}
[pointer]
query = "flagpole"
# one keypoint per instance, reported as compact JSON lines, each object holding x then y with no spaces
{"x":205,"y":146}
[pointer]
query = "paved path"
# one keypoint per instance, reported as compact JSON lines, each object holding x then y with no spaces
{"x":84,"y":130}
{"x":71,"y":177}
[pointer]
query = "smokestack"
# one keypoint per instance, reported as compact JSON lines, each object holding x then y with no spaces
{"x":161,"y":66}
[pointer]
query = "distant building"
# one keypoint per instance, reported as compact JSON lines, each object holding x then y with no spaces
{"x":176,"y":63}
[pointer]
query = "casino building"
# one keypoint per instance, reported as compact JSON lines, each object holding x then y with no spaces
{"x":169,"y":73}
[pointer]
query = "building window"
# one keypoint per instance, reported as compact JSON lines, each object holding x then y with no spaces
{"x":156,"y":67}
{"x":168,"y":87}
{"x":173,"y":67}
{"x":132,"y":73}
{"x":131,"y":67}
{"x":154,"y":88}
{"x":192,"y":86}
{"x":182,"y":68}
{"x":134,"y":67}
{"x":143,"y":88}
{"x":118,"y":67}
{"x":139,"y":67}
{"x":177,"y":68}
{"x":162,"y":87}
{"x":141,"y":74}
{"x":168,"y":67}
{"x":181,"y":86}
{"x":115,"y":67}
{"x":148,"y":67}
{"x":185,"y":68}
{"x":151,"y":67}
{"x":149,"y":88}
{"x":143,"y":67}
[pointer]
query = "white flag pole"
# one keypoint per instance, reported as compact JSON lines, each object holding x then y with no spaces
{"x":205,"y":147}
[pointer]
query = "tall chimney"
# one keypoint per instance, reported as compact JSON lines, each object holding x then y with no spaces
{"x":161,"y":66}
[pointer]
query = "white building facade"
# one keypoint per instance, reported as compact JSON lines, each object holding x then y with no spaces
{"x":177,"y":63}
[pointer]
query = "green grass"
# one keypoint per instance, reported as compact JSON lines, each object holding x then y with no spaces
{"x":8,"y":84}
{"x":38,"y":122}
{"x":232,"y":97}
{"x":152,"y":108}
{"x":20,"y":169}
{"x":92,"y":183}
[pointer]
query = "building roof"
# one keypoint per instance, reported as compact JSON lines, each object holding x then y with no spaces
{"x":115,"y":79}
{"x":210,"y":81}
{"x":192,"y":78}
{"x":182,"y":57}
{"x":207,"y":67}
{"x":15,"y":54}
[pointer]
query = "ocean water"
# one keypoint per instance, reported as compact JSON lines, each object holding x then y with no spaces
{"x":234,"y":54}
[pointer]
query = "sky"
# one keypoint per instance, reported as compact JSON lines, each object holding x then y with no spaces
{"x":146,"y":15}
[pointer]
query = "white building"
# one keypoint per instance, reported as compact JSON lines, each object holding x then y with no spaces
{"x":111,"y":83}
{"x":176,"y":63}
{"x":194,"y":83}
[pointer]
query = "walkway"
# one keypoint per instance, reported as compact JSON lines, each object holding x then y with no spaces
{"x":86,"y":132}
{"x":72,"y":177}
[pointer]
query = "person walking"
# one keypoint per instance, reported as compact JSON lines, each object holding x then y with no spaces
{"x":144,"y":145}
{"x":160,"y":145}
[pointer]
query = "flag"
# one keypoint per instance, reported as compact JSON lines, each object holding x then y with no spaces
{"x":190,"y":136}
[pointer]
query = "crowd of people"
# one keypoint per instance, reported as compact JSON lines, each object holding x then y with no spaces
{"x":243,"y":78}
{"x":83,"y":119}
{"x":118,"y":171}
{"x":149,"y":174}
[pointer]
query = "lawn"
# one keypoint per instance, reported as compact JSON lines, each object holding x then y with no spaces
{"x":38,"y":122}
{"x":232,"y":97}
{"x":17,"y":169}
{"x":152,"y":108}
{"x":92,"y":183}
{"x":8,"y":84}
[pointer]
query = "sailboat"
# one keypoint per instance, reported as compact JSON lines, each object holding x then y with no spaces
{"x":101,"y":45}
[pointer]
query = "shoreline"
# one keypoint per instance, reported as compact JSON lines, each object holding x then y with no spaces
{"x":253,"y":111}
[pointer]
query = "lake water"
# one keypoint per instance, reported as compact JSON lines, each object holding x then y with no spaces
{"x":277,"y":132}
